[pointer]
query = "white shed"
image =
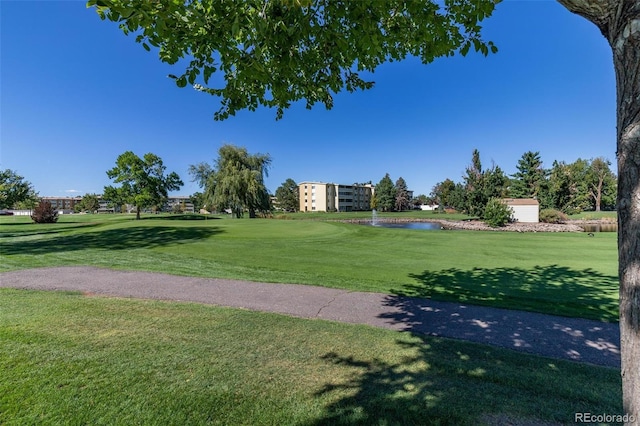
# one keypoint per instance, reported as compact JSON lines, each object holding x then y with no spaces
{"x":524,"y":209}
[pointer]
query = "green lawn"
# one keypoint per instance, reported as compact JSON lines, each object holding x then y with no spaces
{"x":66,"y":358}
{"x":568,"y":274}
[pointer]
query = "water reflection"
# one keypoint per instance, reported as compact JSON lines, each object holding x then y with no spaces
{"x":600,"y":227}
{"x":425,"y":226}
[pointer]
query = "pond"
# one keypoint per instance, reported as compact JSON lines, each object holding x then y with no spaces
{"x":600,"y":227}
{"x":425,"y":226}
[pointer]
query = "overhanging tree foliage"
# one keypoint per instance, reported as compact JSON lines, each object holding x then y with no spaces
{"x":143,"y":180}
{"x":274,"y":53}
{"x":235,"y":181}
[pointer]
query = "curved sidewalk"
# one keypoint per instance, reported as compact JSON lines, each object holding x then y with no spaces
{"x":552,"y":336}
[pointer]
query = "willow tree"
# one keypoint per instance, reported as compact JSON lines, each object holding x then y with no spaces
{"x":276,"y":52}
{"x":235,"y":181}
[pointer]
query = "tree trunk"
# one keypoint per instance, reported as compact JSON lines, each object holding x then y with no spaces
{"x":627,"y":61}
{"x":619,"y":22}
{"x":597,"y":194}
{"x":137,"y":212}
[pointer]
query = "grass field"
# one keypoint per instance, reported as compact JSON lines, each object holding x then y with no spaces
{"x":567,"y":274}
{"x":66,"y":358}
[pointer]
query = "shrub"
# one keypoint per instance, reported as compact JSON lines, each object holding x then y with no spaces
{"x":497,"y":213}
{"x":552,"y":216}
{"x":44,"y":213}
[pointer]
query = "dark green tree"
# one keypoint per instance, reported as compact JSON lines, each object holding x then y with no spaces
{"x":496,"y":183}
{"x":482,"y":185}
{"x":474,"y":186}
{"x":497,"y":213}
{"x":560,"y":187}
{"x":198,"y":200}
{"x":235,"y":181}
{"x":288,"y":196}
{"x":14,"y":189}
{"x":442,"y":193}
{"x":143,"y":182}
{"x":458,"y":197}
{"x":579,"y":171}
{"x":89,"y":202}
{"x":529,"y":179}
{"x":402,"y":195}
{"x":385,"y":194}
{"x":275,"y":53}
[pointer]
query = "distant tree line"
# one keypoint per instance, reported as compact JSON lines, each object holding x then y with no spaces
{"x":235,"y":182}
{"x":584,"y":185}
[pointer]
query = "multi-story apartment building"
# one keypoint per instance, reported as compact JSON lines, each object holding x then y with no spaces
{"x":67,"y":204}
{"x":181,"y":203}
{"x":330,"y":197}
{"x":63,"y":204}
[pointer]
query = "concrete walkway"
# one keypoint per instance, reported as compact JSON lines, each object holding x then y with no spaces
{"x":552,"y":336}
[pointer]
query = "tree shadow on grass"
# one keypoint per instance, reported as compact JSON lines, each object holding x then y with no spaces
{"x":552,"y":310}
{"x":46,"y":228}
{"x":132,"y":237}
{"x":185,"y":216}
{"x":552,"y":289}
{"x":436,"y":381}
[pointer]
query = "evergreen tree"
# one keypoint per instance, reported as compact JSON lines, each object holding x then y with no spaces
{"x":385,"y":194}
{"x":529,"y":178}
{"x":288,"y":196}
{"x":402,"y":195}
{"x":496,"y":183}
{"x":475,"y":198}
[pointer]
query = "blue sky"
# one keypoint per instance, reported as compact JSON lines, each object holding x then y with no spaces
{"x":76,"y":93}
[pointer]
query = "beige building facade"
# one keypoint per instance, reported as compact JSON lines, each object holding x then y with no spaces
{"x":331,"y":197}
{"x":526,"y":210}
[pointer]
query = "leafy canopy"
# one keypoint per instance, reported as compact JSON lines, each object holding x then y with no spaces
{"x":143,"y":180}
{"x":13,"y":189}
{"x":235,"y":181}
{"x":273,"y":53}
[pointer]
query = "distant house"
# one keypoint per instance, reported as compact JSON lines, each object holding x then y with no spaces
{"x":524,"y":209}
{"x":429,"y":207}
